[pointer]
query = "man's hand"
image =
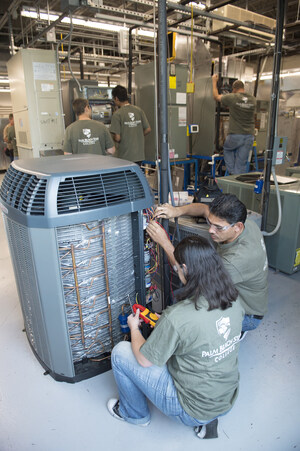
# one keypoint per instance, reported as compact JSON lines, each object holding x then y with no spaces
{"x":165,"y":211}
{"x":157,"y":233}
{"x":111,"y":150}
{"x":215,"y":78}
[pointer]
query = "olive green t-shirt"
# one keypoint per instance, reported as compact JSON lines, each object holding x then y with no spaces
{"x":200,"y":349}
{"x":11,"y":137}
{"x":246,"y":261}
{"x":241,"y":112}
{"x":87,"y":136}
{"x":130,"y":122}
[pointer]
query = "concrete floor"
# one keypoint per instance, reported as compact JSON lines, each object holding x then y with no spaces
{"x":38,"y":413}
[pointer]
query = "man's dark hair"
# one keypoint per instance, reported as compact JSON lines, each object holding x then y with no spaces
{"x":229,"y":208}
{"x":11,"y":116}
{"x":79,"y":106}
{"x":238,"y":84}
{"x":120,"y":92}
{"x":206,"y":275}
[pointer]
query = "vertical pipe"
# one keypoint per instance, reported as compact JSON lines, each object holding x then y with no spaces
{"x":130,"y":62}
{"x":218,"y":103}
{"x":257,"y":75}
{"x":273,"y":111}
{"x":163,"y":132}
{"x":81,"y":64}
{"x":11,"y":37}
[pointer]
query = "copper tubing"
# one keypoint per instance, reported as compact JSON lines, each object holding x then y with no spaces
{"x":107,"y":286}
{"x":77,"y":294}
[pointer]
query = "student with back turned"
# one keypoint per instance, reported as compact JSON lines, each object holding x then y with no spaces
{"x":86,"y":135}
{"x":129,"y":126}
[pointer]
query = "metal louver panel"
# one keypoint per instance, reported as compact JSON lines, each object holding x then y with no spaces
{"x":23,"y":261}
{"x":98,"y":191}
{"x":24,"y":192}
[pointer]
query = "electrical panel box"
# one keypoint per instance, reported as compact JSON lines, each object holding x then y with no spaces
{"x":177,"y":107}
{"x":279,"y":150}
{"x":100,"y":100}
{"x":36,"y":100}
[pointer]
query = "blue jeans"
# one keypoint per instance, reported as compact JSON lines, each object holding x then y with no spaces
{"x":250,"y":323}
{"x":236,"y":151}
{"x":136,"y":384}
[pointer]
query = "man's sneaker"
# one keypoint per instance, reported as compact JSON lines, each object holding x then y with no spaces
{"x":113,"y":408}
{"x":209,"y":430}
{"x":243,"y":334}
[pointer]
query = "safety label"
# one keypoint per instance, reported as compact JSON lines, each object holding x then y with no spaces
{"x":297,"y":259}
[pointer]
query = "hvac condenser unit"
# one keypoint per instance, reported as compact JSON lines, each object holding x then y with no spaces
{"x":75,"y":229}
{"x":283,"y":248}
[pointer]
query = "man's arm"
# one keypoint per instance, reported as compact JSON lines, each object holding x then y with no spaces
{"x":216,"y":94}
{"x":147,"y":131}
{"x":67,"y":147}
{"x":116,"y":137}
{"x":5,"y":133}
{"x":168,"y":211}
{"x":158,"y":234}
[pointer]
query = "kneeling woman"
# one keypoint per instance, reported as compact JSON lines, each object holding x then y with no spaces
{"x":188,"y":367}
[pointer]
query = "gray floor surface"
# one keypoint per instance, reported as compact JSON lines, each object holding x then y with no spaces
{"x":38,"y":413}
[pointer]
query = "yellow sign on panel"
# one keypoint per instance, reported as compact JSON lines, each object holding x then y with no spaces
{"x":172,"y":82}
{"x":190,"y":87}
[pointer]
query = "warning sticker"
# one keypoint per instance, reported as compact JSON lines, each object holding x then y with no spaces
{"x":297,"y":258}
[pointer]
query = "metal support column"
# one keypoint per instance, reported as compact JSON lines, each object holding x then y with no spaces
{"x":273,"y":111}
{"x":163,"y":132}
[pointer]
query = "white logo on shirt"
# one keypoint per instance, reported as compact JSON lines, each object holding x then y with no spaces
{"x":223,"y":327}
{"x":87,"y":132}
{"x":131,"y":116}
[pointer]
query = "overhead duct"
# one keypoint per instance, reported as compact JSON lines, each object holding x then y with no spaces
{"x":242,"y":15}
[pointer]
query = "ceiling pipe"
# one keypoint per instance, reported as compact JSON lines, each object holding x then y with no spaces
{"x":12,"y":7}
{"x":45,"y":30}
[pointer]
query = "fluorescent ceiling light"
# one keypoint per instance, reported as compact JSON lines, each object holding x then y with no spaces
{"x":4,"y":89}
{"x":195,"y":5}
{"x":81,"y":22}
{"x":4,"y":81}
{"x":105,"y":85}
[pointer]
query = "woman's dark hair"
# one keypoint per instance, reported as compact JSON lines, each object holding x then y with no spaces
{"x":206,"y":275}
{"x":229,"y":208}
